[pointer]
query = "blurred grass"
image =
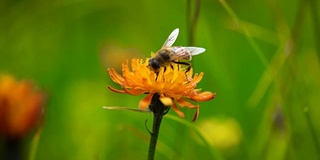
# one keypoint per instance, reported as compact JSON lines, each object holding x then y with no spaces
{"x":259,"y":53}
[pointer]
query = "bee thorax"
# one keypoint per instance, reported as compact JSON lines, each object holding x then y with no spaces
{"x":164,"y":55}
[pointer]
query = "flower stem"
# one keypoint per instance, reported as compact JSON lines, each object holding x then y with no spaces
{"x":159,"y":110}
{"x":12,"y":149}
{"x":154,"y":136}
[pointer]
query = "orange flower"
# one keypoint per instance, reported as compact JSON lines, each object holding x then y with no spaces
{"x":21,"y":106}
{"x":173,"y":84}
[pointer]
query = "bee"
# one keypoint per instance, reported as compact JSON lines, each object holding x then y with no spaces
{"x":173,"y":54}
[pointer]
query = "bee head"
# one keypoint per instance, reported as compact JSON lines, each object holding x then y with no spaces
{"x":153,"y":64}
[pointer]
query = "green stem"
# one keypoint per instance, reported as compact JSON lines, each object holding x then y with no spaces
{"x":313,"y":132}
{"x":192,"y":20}
{"x":316,"y":23}
{"x":245,"y":30}
{"x":159,"y":110}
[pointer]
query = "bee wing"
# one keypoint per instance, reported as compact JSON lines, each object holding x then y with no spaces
{"x":172,"y":38}
{"x":195,"y":50}
{"x":181,"y":53}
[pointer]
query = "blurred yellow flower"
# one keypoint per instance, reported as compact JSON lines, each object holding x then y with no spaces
{"x":173,"y":84}
{"x":222,"y":134}
{"x":21,"y":106}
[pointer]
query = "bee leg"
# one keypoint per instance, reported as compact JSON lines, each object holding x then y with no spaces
{"x":157,"y":73}
{"x":164,"y":69}
{"x":171,"y":66}
{"x":188,"y":68}
{"x":184,"y":63}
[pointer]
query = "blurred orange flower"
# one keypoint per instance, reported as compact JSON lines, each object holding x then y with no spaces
{"x":21,"y":106}
{"x":173,"y":84}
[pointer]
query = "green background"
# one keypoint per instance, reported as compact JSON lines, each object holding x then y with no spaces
{"x":262,"y":60}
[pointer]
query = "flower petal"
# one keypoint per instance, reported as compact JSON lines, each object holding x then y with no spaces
{"x":197,"y":78}
{"x":176,"y":109}
{"x":166,"y":101}
{"x":195,"y":117}
{"x":145,"y":102}
{"x":204,"y":96}
{"x":184,"y":103}
{"x":116,"y":77}
{"x":116,"y":90}
{"x":134,"y":92}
